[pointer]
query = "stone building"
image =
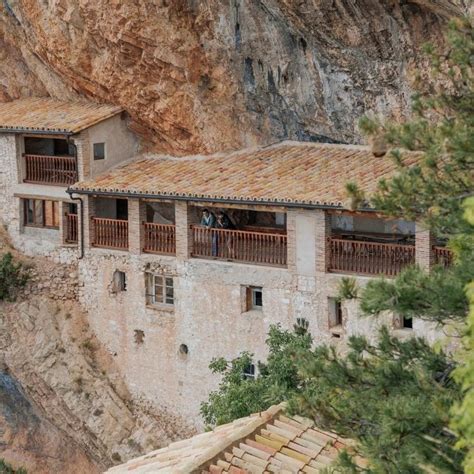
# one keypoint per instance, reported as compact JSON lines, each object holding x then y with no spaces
{"x":164,"y":293}
{"x":45,"y":146}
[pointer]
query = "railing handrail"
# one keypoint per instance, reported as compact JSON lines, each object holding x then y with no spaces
{"x":369,"y":258}
{"x":71,"y":234}
{"x":244,"y":232}
{"x":108,"y":219}
{"x":110,"y":233}
{"x":441,"y":248}
{"x":34,"y":155}
{"x":261,"y":248}
{"x":368,"y":242}
{"x":156,"y":224}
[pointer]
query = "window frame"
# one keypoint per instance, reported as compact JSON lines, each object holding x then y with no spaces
{"x":250,"y":299}
{"x":335,"y":318}
{"x":151,"y":285}
{"x":41,"y":223}
{"x":94,"y":149}
{"x":250,"y":374}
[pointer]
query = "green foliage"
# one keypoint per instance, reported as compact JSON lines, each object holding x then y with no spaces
{"x":276,"y":380}
{"x":438,"y":296}
{"x":6,"y":468}
{"x":348,"y":289}
{"x":441,"y":130}
{"x":393,"y":398}
{"x":463,"y":413}
{"x":12,"y":276}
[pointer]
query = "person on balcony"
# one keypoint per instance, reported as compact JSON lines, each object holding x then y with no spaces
{"x":223,"y":222}
{"x":208,"y":220}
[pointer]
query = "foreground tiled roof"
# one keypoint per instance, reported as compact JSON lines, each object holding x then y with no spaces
{"x":290,"y":172}
{"x":49,"y":115}
{"x":265,"y":442}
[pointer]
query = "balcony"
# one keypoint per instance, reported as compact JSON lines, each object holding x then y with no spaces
{"x":70,"y":236}
{"x":54,"y":170}
{"x":261,"y":248}
{"x":159,"y":238}
{"x":109,"y":233}
{"x":369,"y":258}
{"x":443,"y":256}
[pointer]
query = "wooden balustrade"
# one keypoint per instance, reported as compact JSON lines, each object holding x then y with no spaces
{"x":71,"y":228}
{"x":109,"y":233}
{"x":242,"y":246}
{"x":443,"y":256}
{"x":369,"y":258}
{"x":159,"y":238}
{"x":58,"y":170}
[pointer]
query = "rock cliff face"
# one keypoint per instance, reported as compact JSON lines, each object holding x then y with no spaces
{"x":64,"y":406}
{"x":208,"y":75}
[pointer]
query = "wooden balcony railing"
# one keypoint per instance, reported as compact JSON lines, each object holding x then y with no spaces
{"x":109,"y":233}
{"x":369,"y":258}
{"x":443,"y":256}
{"x":159,"y":238}
{"x":71,"y":228}
{"x":58,"y":170}
{"x":261,"y":248}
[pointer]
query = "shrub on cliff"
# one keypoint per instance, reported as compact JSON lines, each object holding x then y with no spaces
{"x":5,"y":468}
{"x":12,"y":276}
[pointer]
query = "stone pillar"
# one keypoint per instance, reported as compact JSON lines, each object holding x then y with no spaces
{"x":424,"y":242}
{"x":83,"y":150}
{"x":89,"y":212}
{"x":136,"y":216}
{"x":62,"y":222}
{"x":183,"y":230}
{"x":291,"y":239}
{"x":301,"y":225}
{"x":323,"y":237}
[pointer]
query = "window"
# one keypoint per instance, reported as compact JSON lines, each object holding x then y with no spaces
{"x":119,"y":282}
{"x":335,"y":312}
{"x":401,"y":322}
{"x":249,"y":371}
{"x":159,"y":289}
{"x":253,"y":298}
{"x":41,"y":213}
{"x":99,"y":151}
{"x":407,"y":323}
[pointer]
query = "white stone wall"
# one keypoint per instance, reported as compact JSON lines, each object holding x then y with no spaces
{"x":207,"y":317}
{"x":120,"y":145}
{"x":9,"y":208}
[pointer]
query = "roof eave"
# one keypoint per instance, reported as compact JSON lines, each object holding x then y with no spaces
{"x":36,"y":131}
{"x":173,"y":197}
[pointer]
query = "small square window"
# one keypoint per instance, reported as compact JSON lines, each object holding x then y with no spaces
{"x":119,"y":282}
{"x":253,"y":298}
{"x":99,"y":151}
{"x":159,"y":289}
{"x":400,"y":322}
{"x":407,"y":323}
{"x":249,"y":372}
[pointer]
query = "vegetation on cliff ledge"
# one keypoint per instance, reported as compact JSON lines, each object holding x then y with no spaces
{"x":12,"y":277}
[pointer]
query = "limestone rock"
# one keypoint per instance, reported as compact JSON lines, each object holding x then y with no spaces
{"x":202,"y":76}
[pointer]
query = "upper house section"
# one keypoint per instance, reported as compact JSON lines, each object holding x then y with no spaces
{"x":290,"y":174}
{"x":58,"y":143}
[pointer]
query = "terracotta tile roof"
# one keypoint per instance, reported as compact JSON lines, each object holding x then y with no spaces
{"x":52,"y":116}
{"x":265,"y":442}
{"x":290,"y":172}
